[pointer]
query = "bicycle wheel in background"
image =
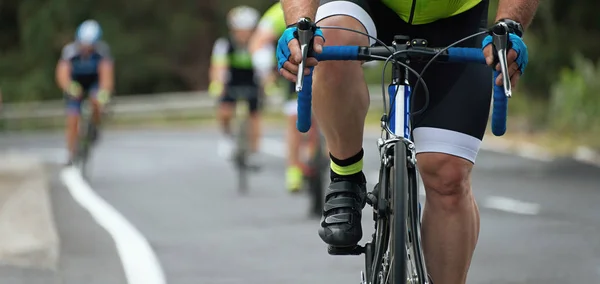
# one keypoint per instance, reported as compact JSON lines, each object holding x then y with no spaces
{"x":241,"y":155}
{"x":416,"y":270}
{"x":316,"y":187}
{"x":84,"y":145}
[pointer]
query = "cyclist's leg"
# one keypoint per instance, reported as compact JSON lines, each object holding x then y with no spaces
{"x":294,"y":139}
{"x":72,"y":125}
{"x":447,"y":136}
{"x":340,"y":104}
{"x":254,"y":104}
{"x":225,"y":113}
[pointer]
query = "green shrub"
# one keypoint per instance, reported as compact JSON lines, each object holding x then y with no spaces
{"x":575,"y":99}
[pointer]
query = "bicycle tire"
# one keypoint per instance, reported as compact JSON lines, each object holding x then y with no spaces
{"x":378,"y":270}
{"x":83,"y":146}
{"x":241,"y":155}
{"x":399,"y":191}
{"x":318,"y":165}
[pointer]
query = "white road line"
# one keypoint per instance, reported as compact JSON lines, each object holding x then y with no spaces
{"x":140,"y":264}
{"x":511,"y":205}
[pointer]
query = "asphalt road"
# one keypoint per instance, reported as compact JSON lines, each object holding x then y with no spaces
{"x":540,"y":220}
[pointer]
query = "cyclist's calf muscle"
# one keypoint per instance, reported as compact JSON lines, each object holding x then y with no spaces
{"x":335,"y":82}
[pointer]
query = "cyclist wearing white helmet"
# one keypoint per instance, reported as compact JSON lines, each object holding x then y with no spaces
{"x":231,"y":67}
{"x":262,"y":46}
{"x":85,"y":69}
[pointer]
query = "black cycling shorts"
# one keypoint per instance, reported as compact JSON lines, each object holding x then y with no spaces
{"x":248,"y":93}
{"x":459,"y":94}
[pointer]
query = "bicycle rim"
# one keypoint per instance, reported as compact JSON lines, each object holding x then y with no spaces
{"x":416,"y":269}
{"x":380,"y":264}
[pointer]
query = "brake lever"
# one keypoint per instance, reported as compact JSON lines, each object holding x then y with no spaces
{"x":500,"y":41}
{"x":305,"y":36}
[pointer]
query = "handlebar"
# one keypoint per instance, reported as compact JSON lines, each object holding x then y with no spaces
{"x":412,"y":52}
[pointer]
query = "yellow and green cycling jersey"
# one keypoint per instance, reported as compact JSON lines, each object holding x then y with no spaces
{"x":415,"y":12}
{"x":273,"y":20}
{"x":418,"y":12}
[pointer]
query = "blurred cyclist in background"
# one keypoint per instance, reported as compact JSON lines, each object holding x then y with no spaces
{"x":262,"y":46}
{"x":231,"y":66}
{"x":85,"y":69}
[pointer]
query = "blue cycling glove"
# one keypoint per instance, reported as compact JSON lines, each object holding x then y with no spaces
{"x":283,"y":50}
{"x":518,"y":45}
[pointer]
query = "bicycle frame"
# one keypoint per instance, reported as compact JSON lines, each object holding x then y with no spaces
{"x":397,"y":128}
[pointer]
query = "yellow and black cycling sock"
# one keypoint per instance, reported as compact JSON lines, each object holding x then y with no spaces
{"x":348,"y":169}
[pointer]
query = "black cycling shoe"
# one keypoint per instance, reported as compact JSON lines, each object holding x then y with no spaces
{"x":340,"y":224}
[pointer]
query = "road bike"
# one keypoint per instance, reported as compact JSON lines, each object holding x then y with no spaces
{"x":394,"y":255}
{"x":88,"y":133}
{"x":242,"y":150}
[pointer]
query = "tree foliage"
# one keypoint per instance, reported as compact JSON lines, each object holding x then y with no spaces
{"x":165,"y":45}
{"x":158,"y":45}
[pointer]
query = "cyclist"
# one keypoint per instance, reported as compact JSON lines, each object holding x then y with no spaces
{"x":270,"y":27}
{"x":447,"y":135}
{"x":231,"y":66}
{"x":85,"y":68}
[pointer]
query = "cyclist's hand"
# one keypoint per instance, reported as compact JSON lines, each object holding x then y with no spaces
{"x":516,"y":57}
{"x":74,"y":90}
{"x":289,"y":55}
{"x":215,"y":89}
{"x":103,"y":97}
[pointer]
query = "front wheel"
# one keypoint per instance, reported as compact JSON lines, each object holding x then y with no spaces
{"x":318,"y":165}
{"x":241,"y":155}
{"x":399,"y":196}
{"x":84,"y":145}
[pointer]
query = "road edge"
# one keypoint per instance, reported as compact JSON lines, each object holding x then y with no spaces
{"x":28,"y":233}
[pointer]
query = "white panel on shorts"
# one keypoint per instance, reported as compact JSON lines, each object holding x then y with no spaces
{"x":290,"y":107}
{"x":347,"y":8}
{"x":429,"y":139}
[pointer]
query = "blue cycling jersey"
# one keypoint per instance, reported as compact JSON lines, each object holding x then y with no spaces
{"x":84,"y":67}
